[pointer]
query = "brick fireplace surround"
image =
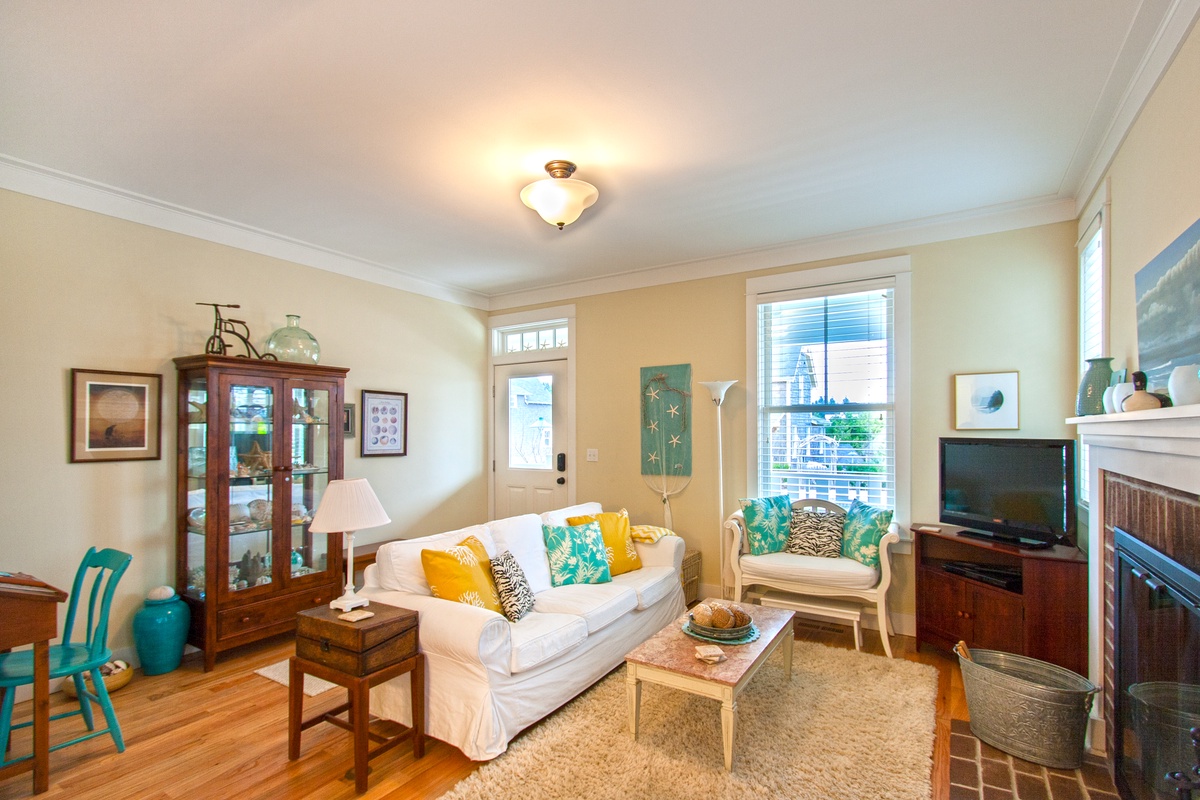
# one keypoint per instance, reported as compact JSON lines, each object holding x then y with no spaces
{"x":1145,"y":479}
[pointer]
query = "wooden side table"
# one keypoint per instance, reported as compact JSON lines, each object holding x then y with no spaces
{"x":357,"y":655}
{"x":358,"y":704}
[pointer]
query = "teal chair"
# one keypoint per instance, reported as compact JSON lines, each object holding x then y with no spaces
{"x":72,"y":659}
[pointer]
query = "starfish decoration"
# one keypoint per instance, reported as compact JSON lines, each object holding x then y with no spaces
{"x":674,"y":440}
{"x":257,"y":458}
{"x":653,"y":425}
{"x":673,"y":411}
{"x":652,"y":394}
{"x":653,"y":457}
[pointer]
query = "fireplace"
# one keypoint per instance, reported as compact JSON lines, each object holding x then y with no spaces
{"x":1157,"y":666}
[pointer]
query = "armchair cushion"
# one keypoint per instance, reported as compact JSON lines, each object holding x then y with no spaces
{"x":781,"y":569}
{"x":767,"y":523}
{"x":816,"y":533}
{"x":865,"y":526}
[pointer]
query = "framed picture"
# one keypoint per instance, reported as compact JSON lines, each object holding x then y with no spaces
{"x":115,"y":416}
{"x":986,"y":401}
{"x":384,"y":423}
{"x":348,"y":420}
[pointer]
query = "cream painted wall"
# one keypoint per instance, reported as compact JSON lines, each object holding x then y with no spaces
{"x":991,"y":303}
{"x":1155,"y":189}
{"x":85,"y":290}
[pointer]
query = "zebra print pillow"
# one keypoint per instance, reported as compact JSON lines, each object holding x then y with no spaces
{"x":814,"y":533}
{"x":516,"y":598}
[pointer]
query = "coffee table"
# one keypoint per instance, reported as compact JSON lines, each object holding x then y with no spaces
{"x":669,"y":658}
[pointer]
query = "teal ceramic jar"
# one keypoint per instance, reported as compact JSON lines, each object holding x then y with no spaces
{"x":159,"y":633}
{"x":1091,"y":388}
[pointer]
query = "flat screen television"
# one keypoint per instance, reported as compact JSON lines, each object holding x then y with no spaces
{"x":1017,"y":491}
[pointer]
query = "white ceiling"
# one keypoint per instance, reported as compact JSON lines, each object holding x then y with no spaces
{"x":390,"y":140}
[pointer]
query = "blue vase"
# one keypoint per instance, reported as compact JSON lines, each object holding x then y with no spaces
{"x":159,"y":633}
{"x":1091,"y":388}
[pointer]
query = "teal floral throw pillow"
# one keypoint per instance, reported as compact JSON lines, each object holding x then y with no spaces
{"x":576,"y":554}
{"x":865,"y":526}
{"x":768,"y":523}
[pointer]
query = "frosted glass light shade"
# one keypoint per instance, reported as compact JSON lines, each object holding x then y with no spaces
{"x":559,"y":199}
{"x":348,"y":505}
{"x":717,"y":389}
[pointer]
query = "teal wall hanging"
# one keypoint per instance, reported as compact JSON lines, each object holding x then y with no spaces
{"x":666,"y":423}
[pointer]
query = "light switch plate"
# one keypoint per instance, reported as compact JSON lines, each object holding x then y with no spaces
{"x":593,"y":454}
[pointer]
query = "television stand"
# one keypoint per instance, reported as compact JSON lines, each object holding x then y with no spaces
{"x":998,"y":596}
{"x":1000,"y":538}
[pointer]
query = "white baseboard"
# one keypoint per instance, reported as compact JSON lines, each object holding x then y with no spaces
{"x":902,"y":624}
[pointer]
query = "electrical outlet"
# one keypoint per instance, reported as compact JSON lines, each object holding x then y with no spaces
{"x":593,"y":454}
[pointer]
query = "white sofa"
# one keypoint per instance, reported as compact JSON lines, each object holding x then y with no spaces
{"x":487,"y":679}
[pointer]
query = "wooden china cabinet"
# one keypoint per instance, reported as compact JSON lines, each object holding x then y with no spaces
{"x":259,"y":441}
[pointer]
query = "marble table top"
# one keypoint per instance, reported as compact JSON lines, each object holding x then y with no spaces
{"x":672,"y":649}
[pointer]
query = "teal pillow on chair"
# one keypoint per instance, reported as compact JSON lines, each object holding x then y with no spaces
{"x":768,"y":523}
{"x":576,"y":553}
{"x":865,"y":526}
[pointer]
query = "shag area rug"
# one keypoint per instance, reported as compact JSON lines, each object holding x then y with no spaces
{"x":280,"y":673}
{"x":848,"y":725}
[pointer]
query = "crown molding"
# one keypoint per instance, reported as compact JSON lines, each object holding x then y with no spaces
{"x":60,"y":187}
{"x":1164,"y":44}
{"x":977,"y":222}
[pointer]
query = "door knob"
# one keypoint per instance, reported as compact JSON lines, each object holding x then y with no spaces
{"x":561,"y":481}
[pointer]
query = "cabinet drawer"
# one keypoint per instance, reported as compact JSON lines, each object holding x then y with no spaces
{"x":236,"y":621}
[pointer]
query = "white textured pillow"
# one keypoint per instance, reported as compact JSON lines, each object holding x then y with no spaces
{"x":400,"y":567}
{"x":558,"y":518}
{"x":522,"y":536}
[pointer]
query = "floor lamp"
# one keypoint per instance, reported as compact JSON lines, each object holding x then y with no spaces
{"x":718,"y":390}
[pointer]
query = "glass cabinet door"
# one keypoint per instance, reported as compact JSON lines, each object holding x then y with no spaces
{"x":251,"y":509}
{"x":309,"y":429}
{"x":196,"y":435}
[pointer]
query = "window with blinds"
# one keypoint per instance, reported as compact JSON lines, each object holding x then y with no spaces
{"x":1091,"y":300}
{"x":827,"y":393}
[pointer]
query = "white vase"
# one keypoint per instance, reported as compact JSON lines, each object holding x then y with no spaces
{"x":1184,"y":385}
{"x":1120,"y":392}
{"x":1108,"y":400}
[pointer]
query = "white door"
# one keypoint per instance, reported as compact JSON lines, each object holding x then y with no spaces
{"x":532,"y":465}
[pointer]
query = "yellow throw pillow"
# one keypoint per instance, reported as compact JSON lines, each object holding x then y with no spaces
{"x":462,"y":574}
{"x":618,"y":544}
{"x":649,"y":534}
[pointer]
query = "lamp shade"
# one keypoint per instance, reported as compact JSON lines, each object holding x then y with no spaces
{"x":717,"y":389}
{"x":559,"y":199}
{"x":348,"y":505}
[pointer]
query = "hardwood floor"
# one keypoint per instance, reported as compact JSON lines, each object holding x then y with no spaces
{"x":224,"y":735}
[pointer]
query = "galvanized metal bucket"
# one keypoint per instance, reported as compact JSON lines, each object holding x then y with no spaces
{"x":1027,"y":708}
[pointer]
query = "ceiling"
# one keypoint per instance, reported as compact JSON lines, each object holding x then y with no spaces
{"x":391,"y":140}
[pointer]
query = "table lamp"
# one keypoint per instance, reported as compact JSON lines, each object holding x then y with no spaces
{"x":348,"y":506}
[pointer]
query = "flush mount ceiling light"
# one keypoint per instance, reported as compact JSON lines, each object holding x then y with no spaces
{"x":559,"y":199}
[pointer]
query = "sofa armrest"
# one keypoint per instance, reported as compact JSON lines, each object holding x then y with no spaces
{"x":464,"y":633}
{"x":666,"y":552}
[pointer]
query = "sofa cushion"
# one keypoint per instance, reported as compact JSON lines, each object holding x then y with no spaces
{"x":516,"y":600}
{"x":767,"y":521}
{"x":539,"y":637}
{"x":619,"y":551}
{"x":522,"y":536}
{"x":651,"y":584}
{"x":400,"y":561}
{"x":462,"y":574}
{"x":840,"y":573}
{"x":865,"y":526}
{"x":576,"y":554}
{"x":598,"y":604}
{"x":816,"y":533}
{"x":559,"y":517}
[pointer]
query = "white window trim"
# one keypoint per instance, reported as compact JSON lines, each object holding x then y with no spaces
{"x":897,"y":267}
{"x":1097,"y":214}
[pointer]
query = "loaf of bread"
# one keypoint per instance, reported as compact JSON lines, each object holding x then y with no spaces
{"x":740,"y":617}
{"x":722,"y":617}
{"x":702,"y":615}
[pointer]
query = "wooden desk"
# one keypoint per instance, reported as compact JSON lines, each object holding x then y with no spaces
{"x":29,"y":615}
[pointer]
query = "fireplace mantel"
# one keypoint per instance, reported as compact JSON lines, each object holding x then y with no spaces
{"x":1160,"y":446}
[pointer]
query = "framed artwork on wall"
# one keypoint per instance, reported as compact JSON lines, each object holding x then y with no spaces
{"x":115,"y":416}
{"x":986,"y":401}
{"x":384,"y":423}
{"x":348,"y":410}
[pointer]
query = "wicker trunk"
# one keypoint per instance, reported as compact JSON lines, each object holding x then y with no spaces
{"x":690,"y":576}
